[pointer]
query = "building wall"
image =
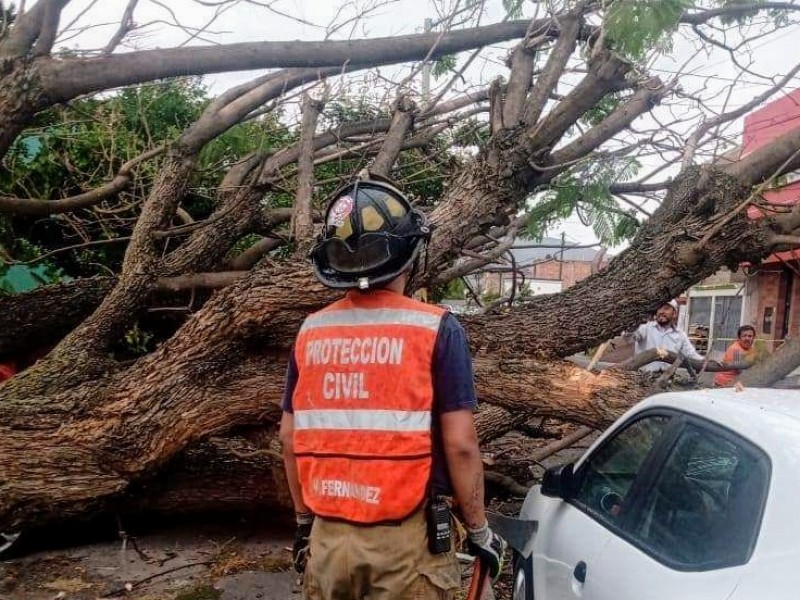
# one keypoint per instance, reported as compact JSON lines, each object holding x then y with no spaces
{"x":568,"y":273}
{"x":768,"y":290}
{"x":794,"y":309}
{"x":724,"y":276}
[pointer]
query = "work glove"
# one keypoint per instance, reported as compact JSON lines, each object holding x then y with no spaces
{"x":488,"y":547}
{"x":301,"y":541}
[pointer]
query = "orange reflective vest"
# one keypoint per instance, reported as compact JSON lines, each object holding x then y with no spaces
{"x":363,"y":406}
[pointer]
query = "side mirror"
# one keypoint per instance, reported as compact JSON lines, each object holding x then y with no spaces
{"x":557,"y":482}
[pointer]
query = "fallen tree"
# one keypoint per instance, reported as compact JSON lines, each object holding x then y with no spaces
{"x":190,"y":425}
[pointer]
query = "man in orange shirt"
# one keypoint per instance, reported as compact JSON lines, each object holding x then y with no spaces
{"x":740,"y":351}
{"x":378,"y":430}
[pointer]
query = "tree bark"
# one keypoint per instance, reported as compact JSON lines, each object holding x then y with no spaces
{"x":663,"y":260}
{"x":782,"y":362}
{"x":40,"y":318}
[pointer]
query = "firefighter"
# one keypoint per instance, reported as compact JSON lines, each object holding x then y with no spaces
{"x":378,"y":432}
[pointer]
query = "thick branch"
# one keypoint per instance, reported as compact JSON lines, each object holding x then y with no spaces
{"x":780,"y":156}
{"x":647,"y":96}
{"x":570,"y":25}
{"x":606,"y":74}
{"x":561,"y":323}
{"x":210,"y":281}
{"x":303,"y":227}
{"x":519,"y":81}
{"x":233,"y":106}
{"x":66,"y":79}
{"x":28,"y":28}
{"x":782,"y":362}
{"x":254,"y":253}
{"x":402,"y":121}
{"x":655,"y":355}
{"x":49,"y":29}
{"x":37,"y":319}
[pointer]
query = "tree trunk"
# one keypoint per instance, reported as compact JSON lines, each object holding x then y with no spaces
{"x":21,"y":97}
{"x":97,"y":443}
{"x":38,"y":319}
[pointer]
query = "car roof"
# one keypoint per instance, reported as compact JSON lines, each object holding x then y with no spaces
{"x":768,"y":417}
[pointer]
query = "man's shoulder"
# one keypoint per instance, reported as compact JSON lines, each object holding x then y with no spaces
{"x":414,"y":304}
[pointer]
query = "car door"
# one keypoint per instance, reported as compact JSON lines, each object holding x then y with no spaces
{"x":572,"y":534}
{"x":694,"y":524}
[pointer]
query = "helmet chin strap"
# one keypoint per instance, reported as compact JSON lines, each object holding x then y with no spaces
{"x":412,"y":272}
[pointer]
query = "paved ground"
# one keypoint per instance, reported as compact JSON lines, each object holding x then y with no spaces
{"x":200,"y":562}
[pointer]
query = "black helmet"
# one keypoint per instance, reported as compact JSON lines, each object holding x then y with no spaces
{"x":371,"y":235}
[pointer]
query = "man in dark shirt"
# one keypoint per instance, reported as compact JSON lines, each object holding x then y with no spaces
{"x":453,"y":389}
{"x":378,"y":417}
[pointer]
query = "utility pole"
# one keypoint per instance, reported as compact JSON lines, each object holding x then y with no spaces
{"x":426,"y":68}
{"x":561,"y":259}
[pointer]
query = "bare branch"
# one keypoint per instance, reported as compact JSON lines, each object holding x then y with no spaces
{"x":735,"y":9}
{"x":638,"y":187}
{"x":708,"y":125}
{"x":126,"y":24}
{"x":468,"y":266}
{"x":38,"y":207}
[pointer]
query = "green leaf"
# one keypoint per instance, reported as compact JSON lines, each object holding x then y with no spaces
{"x":513,"y":8}
{"x":584,"y":191}
{"x":636,"y":26}
{"x":443,"y":66}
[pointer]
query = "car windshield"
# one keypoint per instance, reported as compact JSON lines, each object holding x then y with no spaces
{"x":704,"y":508}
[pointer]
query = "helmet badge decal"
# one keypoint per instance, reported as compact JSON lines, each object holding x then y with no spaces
{"x":340,"y":210}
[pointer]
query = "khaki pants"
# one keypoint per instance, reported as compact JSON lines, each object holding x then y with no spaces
{"x":382,"y":562}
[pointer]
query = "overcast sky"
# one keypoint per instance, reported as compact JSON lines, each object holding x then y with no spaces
{"x":706,"y":73}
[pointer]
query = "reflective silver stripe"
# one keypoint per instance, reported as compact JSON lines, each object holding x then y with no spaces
{"x":378,"y":420}
{"x":373,"y":316}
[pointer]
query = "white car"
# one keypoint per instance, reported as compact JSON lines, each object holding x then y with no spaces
{"x":688,"y":496}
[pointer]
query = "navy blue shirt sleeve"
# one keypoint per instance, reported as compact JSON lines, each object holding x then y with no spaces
{"x":291,"y":383}
{"x":453,"y":379}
